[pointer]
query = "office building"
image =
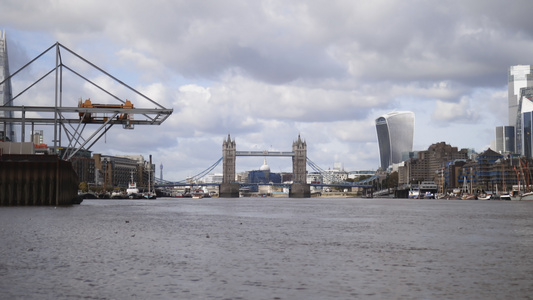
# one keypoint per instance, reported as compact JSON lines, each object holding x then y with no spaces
{"x":520,"y":76}
{"x":395,"y":132}
{"x":505,"y":139}
{"x":425,"y":167}
{"x":524,"y":123}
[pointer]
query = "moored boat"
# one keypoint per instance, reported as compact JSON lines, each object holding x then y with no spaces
{"x":198,"y":194}
{"x":413,"y":194}
{"x":149,"y":195}
{"x":484,"y":197}
{"x":526,"y":196}
{"x":506,"y":197}
{"x":429,"y":195}
{"x":132,"y":191}
{"x":468,"y":197}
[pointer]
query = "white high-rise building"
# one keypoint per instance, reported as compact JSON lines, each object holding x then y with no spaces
{"x":395,"y":132}
{"x":7,"y":131}
{"x":520,"y":76}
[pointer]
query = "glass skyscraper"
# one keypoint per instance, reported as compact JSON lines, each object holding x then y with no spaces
{"x":395,"y":132}
{"x":505,"y":139}
{"x":524,"y":123}
{"x":520,"y":76}
{"x":7,"y":132}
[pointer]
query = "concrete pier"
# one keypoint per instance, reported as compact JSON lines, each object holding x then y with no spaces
{"x":300,"y":190}
{"x":229,"y":190}
{"x":36,"y":180}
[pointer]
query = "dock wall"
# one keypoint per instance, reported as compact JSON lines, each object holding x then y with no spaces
{"x":27,"y":180}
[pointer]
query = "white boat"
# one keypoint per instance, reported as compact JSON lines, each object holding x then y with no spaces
{"x":117,"y":195}
{"x":413,"y":194}
{"x":429,"y":195}
{"x":506,"y":197}
{"x":132,"y":191}
{"x":484,"y":197}
{"x":198,"y":194}
{"x":526,"y":196}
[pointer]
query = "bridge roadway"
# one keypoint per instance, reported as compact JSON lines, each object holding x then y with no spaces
{"x":265,"y":153}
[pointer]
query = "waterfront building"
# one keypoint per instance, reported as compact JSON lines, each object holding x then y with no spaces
{"x":214,"y":178}
{"x":315,"y":178}
{"x":356,"y":175}
{"x":505,"y":139}
{"x":486,"y":171}
{"x":519,"y":76}
{"x":504,"y":173}
{"x":286,"y":177}
{"x":116,"y":171}
{"x":7,"y":130}
{"x":484,"y":163}
{"x":263,"y":175}
{"x":452,"y":169}
{"x":395,"y":133}
{"x":82,"y":163}
{"x":332,"y":176}
{"x":425,"y":167}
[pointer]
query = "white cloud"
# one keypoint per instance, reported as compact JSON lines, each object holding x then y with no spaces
{"x":455,"y":112}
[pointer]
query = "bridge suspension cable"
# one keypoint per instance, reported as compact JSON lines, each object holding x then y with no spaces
{"x":192,"y":178}
{"x":331,"y":177}
{"x":318,"y":169}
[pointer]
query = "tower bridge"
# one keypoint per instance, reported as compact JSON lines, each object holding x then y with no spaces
{"x":299,"y":188}
{"x":229,"y":187}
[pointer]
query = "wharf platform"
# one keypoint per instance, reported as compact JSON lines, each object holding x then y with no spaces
{"x":27,"y":180}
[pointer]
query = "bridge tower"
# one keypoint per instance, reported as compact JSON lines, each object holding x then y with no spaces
{"x":299,"y":188}
{"x":229,"y":188}
{"x":299,"y":161}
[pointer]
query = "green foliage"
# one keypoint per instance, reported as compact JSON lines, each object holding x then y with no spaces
{"x":392,"y":180}
{"x":84,"y":187}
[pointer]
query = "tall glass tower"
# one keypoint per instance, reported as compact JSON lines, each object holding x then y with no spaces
{"x":7,"y":132}
{"x":524,"y":123}
{"x":505,"y":139}
{"x":395,"y":136}
{"x":520,"y":76}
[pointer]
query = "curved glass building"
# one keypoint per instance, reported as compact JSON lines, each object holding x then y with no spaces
{"x":395,"y":136}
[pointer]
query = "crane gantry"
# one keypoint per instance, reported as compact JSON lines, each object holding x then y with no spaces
{"x":71,"y":121}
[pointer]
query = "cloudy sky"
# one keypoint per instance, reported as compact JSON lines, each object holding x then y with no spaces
{"x":266,"y":71}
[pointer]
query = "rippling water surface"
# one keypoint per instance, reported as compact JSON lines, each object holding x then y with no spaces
{"x":268,"y":249}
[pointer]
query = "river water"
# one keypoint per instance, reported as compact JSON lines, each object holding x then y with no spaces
{"x":268,"y":248}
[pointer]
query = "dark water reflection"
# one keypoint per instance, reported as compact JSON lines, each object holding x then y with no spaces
{"x":268,"y":249}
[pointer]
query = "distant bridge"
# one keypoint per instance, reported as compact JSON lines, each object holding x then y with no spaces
{"x":193,"y":180}
{"x":298,"y":188}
